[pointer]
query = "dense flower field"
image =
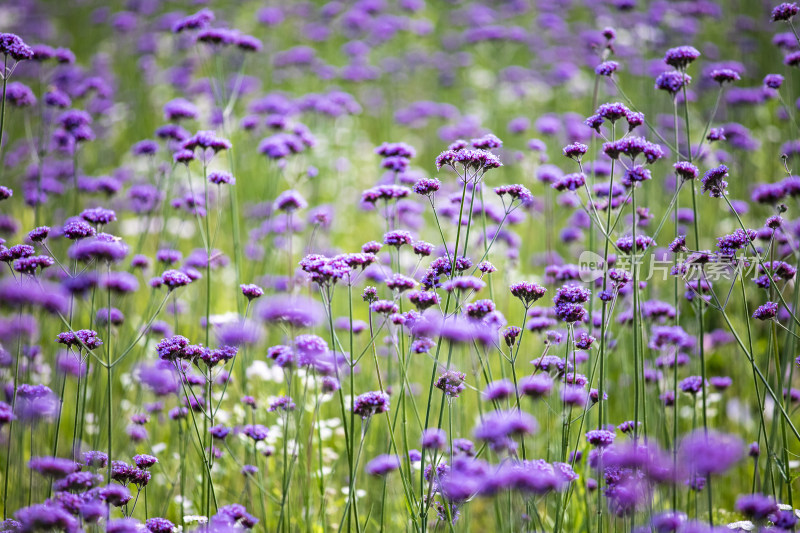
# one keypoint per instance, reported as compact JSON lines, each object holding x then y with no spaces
{"x":372,"y":265}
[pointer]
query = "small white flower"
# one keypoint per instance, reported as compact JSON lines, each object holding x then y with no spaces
{"x":742,"y":525}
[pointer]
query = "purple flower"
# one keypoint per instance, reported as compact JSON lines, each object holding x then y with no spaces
{"x":289,"y":201}
{"x":196,"y":21}
{"x":427,"y":186}
{"x":297,"y":311}
{"x":784,"y":12}
{"x":536,"y":386}
{"x":35,"y":402}
{"x":102,"y":247}
{"x":116,"y":495}
{"x":20,"y":95}
{"x":371,"y":403}
{"x":575,"y":151}
{"x":720,"y":383}
{"x":768,"y":311}
{"x":53,"y":467}
{"x":206,"y":140}
{"x":423,"y":300}
{"x":724,"y":75}
{"x":606,"y":68}
{"x":382,"y":465}
{"x":711,"y":453}
{"x":573,"y":395}
{"x":685,"y":170}
{"x":433,"y":439}
{"x":80,"y":338}
{"x":175,"y":278}
{"x":283,"y":403}
{"x":773,"y":81}
{"x":570,"y":182}
{"x":12,"y":45}
{"x":75,"y":229}
{"x":672,"y":81}
{"x":45,"y":516}
{"x":498,"y":427}
{"x":144,"y":461}
{"x":257,"y":432}
{"x":515,"y":192}
{"x":756,"y":507}
{"x":221,"y":178}
{"x":251,"y":291}
{"x":95,"y":459}
{"x":498,"y":390}
{"x":397,"y":238}
{"x":159,"y":525}
{"x":600,"y":438}
{"x":399,"y":149}
{"x":691,"y":385}
{"x":681,"y":56}
{"x":464,"y":283}
{"x":451,"y":382}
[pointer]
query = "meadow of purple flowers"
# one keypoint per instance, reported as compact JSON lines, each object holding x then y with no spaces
{"x":509,"y":265}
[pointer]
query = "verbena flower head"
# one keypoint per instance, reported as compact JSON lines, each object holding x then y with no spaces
{"x":685,"y":170}
{"x":600,"y":438}
{"x":681,"y":56}
{"x":35,"y":402}
{"x":536,"y":386}
{"x":767,"y":311}
{"x":714,"y":181}
{"x":451,"y":382}
{"x":144,"y":461}
{"x":570,"y":182}
{"x":371,"y":403}
{"x":221,"y":178}
{"x":499,"y":427}
{"x":399,"y":149}
{"x":53,"y":467}
{"x":710,"y":453}
{"x":672,"y":81}
{"x":427,"y":186}
{"x":612,"y":111}
{"x":464,"y":283}
{"x":756,"y":507}
{"x":633,"y":147}
{"x":528,"y":292}
{"x":433,"y":439}
{"x":498,"y":390}
{"x":284,"y":403}
{"x":475,"y":160}
{"x":206,"y":140}
{"x":773,"y":81}
{"x":606,"y":68}
{"x":575,"y":151}
{"x":397,"y":238}
{"x":724,"y":75}
{"x":382,"y":465}
{"x":784,"y":12}
{"x":102,"y":247}
{"x":515,"y":192}
{"x":13,"y":46}
{"x":691,"y":385}
{"x":159,"y":525}
{"x":196,"y":21}
{"x":289,"y":201}
{"x":80,"y":338}
{"x":175,"y":278}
